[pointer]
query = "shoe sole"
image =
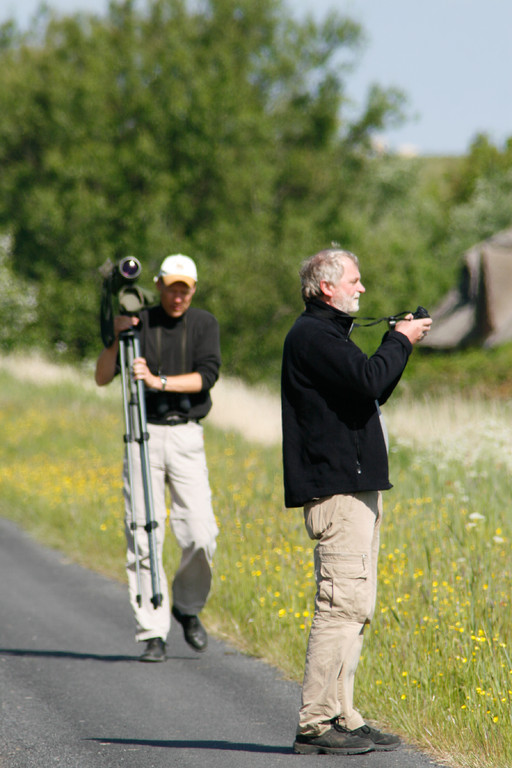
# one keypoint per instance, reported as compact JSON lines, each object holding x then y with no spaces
{"x":386,"y":747}
{"x":312,"y":749}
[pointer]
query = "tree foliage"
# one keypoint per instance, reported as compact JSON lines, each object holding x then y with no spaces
{"x":482,"y":194}
{"x":220,"y":129}
{"x":217,"y":130}
{"x":18,"y":300}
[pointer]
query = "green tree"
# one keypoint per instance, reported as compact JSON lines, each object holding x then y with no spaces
{"x":18,"y":302}
{"x":482,"y":195}
{"x":217,"y":129}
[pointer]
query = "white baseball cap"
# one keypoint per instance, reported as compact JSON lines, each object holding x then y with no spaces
{"x":178,"y":268}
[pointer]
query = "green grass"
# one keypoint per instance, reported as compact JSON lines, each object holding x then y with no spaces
{"x":475,"y":371}
{"x":436,"y":665}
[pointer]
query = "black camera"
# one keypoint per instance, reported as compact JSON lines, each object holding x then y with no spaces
{"x":417,"y":315}
{"x":420,"y":312}
{"x":118,"y":278}
{"x":116,"y":275}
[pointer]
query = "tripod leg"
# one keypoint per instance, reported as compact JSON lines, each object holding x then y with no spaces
{"x":129,"y":440}
{"x":139,"y":407}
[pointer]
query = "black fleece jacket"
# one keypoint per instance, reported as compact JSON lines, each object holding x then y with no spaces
{"x":332,"y":435}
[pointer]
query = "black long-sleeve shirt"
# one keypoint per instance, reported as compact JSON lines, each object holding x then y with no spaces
{"x":174,"y":346}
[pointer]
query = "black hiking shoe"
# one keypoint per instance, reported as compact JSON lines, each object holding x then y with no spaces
{"x":336,"y":741}
{"x":155,"y":650}
{"x":195,"y":633}
{"x":382,"y":742}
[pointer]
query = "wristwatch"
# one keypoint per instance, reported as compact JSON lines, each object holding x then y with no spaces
{"x":163,"y":379}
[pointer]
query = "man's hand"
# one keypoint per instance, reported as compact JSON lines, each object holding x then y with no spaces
{"x":124,"y":323}
{"x":141,"y":372}
{"x":106,"y":363}
{"x":415,"y":330}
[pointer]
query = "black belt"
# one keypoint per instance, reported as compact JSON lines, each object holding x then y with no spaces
{"x":177,"y":420}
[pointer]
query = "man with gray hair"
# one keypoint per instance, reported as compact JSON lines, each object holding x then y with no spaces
{"x":336,"y":466}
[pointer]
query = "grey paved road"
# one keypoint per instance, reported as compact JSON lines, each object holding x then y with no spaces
{"x":74,"y":695}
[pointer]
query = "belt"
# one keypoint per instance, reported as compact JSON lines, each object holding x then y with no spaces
{"x":177,"y":420}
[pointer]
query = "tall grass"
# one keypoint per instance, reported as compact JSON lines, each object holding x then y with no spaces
{"x":436,"y":664}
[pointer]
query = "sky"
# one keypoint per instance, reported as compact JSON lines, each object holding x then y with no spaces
{"x":452,"y":58}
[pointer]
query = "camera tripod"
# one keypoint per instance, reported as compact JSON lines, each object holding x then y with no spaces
{"x":134,"y":406}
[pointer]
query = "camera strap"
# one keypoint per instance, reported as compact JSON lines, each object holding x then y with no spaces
{"x":391,"y":320}
{"x":373,"y":321}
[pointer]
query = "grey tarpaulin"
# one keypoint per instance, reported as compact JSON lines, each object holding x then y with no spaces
{"x":479,"y":310}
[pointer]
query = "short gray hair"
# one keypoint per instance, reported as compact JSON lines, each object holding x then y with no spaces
{"x":327,"y":265}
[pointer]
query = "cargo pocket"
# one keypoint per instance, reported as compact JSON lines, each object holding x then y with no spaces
{"x":343,"y":584}
{"x":318,"y":516}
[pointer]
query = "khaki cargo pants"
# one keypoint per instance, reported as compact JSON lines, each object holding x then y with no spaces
{"x":347,"y":529}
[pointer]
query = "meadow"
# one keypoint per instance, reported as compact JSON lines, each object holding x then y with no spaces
{"x":436,"y":666}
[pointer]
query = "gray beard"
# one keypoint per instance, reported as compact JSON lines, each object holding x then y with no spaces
{"x":347,"y":305}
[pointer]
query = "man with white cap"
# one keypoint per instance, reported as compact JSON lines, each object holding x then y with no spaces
{"x":179,"y":364}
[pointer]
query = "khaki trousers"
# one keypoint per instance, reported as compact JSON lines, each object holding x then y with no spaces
{"x":177,"y":457}
{"x":347,"y":528}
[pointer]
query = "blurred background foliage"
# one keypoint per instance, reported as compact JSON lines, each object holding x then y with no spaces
{"x":218,"y":129}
